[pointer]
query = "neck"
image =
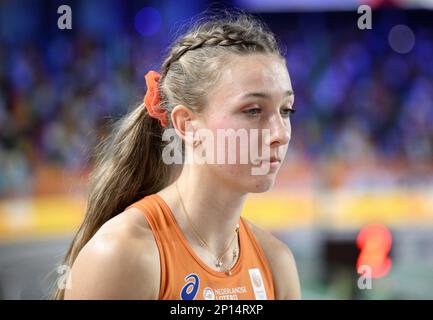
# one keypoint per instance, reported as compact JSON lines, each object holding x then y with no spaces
{"x":213,"y":208}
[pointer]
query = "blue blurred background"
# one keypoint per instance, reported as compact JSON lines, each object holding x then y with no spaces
{"x":361,"y":150}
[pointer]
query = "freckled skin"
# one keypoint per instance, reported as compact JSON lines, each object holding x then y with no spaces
{"x":252,"y":73}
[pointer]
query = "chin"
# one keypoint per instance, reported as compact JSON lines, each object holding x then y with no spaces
{"x":262,"y":184}
{"x":244,"y":182}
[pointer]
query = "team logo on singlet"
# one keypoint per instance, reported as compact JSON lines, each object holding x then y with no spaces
{"x":257,"y":283}
{"x":190,"y":289}
{"x":208,"y":294}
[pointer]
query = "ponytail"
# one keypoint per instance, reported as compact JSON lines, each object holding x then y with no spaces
{"x":128,"y":167}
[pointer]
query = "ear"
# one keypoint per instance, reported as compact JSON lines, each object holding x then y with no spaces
{"x":185,"y":122}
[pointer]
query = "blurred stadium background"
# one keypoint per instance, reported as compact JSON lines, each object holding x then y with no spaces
{"x":361,"y":155}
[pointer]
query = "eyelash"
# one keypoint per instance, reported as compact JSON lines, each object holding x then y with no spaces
{"x":286,"y":115}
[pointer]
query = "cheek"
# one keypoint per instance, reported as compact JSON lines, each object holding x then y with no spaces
{"x":225,"y":129}
{"x":224,"y":121}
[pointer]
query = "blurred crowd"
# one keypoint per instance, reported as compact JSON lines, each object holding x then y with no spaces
{"x":356,"y":90}
{"x":357,"y":100}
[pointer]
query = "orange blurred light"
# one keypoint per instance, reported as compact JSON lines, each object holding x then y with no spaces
{"x":374,"y":241}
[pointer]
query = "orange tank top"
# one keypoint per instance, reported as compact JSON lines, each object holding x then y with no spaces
{"x":184,"y":276}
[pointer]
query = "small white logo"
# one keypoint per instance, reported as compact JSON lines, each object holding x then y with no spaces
{"x":364,"y":280}
{"x":64,"y":280}
{"x":365,"y":20}
{"x":65,"y":20}
{"x":208,"y":294}
{"x":257,"y":283}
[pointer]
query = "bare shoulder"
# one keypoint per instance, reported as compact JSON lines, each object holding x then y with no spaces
{"x":121,"y":261}
{"x":281,"y":262}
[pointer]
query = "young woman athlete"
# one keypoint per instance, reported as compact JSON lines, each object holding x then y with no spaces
{"x":155,"y":230}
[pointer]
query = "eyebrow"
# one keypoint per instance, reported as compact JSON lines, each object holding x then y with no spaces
{"x":264,"y":95}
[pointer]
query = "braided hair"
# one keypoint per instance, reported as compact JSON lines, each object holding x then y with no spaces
{"x":193,"y":63}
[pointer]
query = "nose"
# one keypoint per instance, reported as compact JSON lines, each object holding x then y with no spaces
{"x":280,"y":132}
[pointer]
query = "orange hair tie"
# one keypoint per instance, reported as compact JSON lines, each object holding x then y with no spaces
{"x":152,"y":98}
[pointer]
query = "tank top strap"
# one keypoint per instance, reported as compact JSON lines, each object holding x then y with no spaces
{"x":259,"y":254}
{"x":159,"y":223}
{"x":154,"y":212}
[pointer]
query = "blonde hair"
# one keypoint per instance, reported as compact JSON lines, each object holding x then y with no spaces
{"x":128,"y":163}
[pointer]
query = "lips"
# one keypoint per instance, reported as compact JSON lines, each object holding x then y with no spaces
{"x":275,"y":159}
{"x":273,"y":162}
{"x":271,"y":159}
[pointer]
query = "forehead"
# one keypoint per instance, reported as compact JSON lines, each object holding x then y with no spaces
{"x":252,"y":73}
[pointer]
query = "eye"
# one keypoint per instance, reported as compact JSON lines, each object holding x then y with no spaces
{"x":286,"y":112}
{"x":252,"y":112}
